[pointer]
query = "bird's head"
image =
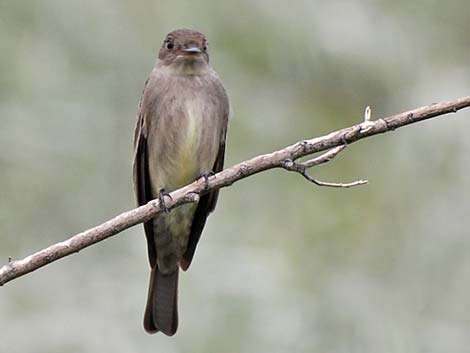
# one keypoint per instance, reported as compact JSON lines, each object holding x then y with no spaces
{"x":184,"y":49}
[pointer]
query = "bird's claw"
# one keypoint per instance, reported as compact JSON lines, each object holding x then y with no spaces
{"x":206,"y":176}
{"x":161,"y":199}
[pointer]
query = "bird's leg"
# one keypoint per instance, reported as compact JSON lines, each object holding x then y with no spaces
{"x":161,"y":199}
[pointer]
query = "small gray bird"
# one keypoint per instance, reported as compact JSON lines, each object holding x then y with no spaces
{"x":180,"y":136}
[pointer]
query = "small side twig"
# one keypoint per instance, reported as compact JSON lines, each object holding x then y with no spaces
{"x":301,"y":168}
{"x":367,"y":124}
{"x":325,"y":157}
{"x":334,"y":185}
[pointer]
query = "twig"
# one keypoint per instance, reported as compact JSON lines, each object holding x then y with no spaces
{"x":302,"y":167}
{"x":189,"y":193}
{"x":325,"y":157}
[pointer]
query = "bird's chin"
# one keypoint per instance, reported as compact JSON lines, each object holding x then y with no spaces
{"x":191,"y":64}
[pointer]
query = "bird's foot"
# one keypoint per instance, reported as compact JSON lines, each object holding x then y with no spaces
{"x":206,"y":176}
{"x":161,"y":199}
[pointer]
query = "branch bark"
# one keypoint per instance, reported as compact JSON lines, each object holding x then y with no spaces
{"x":284,"y":158}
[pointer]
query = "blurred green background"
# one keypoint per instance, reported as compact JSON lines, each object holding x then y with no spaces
{"x":283,"y":266}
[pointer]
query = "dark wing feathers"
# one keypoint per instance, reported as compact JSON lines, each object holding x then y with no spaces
{"x":142,"y":178}
{"x":218,"y":166}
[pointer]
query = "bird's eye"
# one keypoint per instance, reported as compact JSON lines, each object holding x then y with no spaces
{"x":169,"y":45}
{"x":204,"y":47}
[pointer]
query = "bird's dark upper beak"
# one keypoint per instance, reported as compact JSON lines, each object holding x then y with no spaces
{"x":192,"y":50}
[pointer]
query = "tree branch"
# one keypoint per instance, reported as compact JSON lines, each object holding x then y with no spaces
{"x":333,"y":142}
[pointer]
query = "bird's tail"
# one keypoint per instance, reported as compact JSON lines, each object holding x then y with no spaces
{"x":161,"y":312}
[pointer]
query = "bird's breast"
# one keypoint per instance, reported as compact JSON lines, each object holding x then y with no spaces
{"x":192,"y":146}
{"x":189,"y":132}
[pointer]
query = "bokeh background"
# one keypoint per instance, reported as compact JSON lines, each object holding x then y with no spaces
{"x":283,"y":266}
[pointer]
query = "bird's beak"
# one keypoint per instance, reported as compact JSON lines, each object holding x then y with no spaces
{"x":192,"y":50}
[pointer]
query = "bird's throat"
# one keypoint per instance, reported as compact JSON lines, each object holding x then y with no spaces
{"x":189,"y":66}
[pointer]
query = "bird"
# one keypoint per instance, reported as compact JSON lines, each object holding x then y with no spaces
{"x":180,"y":136}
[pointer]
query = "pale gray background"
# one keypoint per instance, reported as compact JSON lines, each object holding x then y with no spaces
{"x":283,"y":266}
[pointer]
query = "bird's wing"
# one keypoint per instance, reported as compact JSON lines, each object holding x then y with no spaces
{"x":208,"y":201}
{"x":142,"y":186}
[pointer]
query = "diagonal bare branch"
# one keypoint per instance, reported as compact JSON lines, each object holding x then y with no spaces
{"x":189,"y":193}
